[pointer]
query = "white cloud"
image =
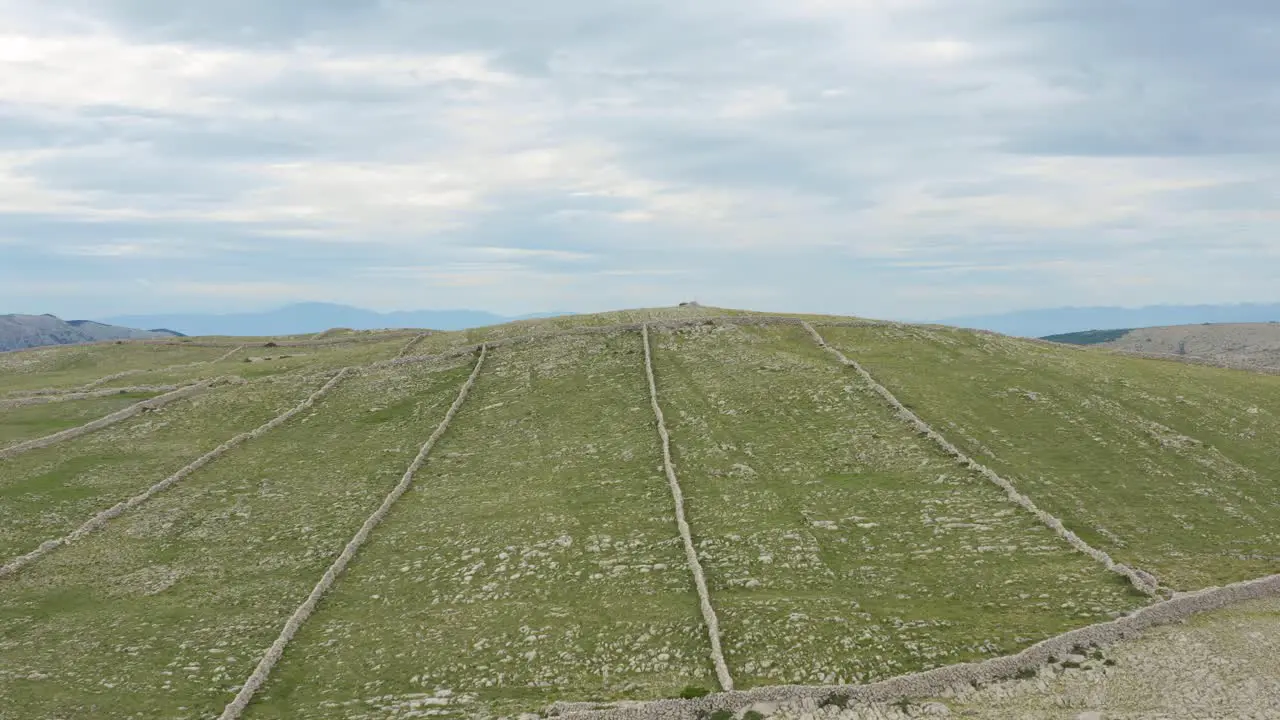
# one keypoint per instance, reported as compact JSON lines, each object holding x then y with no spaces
{"x":83,"y":70}
{"x":514,"y":253}
{"x":528,"y":152}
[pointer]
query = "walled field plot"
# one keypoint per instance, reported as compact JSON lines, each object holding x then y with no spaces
{"x":256,"y":361}
{"x":34,"y":421}
{"x":535,"y":558}
{"x":71,"y":366}
{"x":840,"y":546}
{"x":48,"y":492}
{"x":165,"y":611}
{"x":1166,"y":466}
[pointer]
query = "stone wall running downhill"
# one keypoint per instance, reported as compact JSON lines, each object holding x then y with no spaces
{"x":101,"y":519}
{"x":18,"y":402}
{"x":691,"y":554}
{"x":411,"y":344}
{"x":344,"y":340}
{"x":115,"y":417}
{"x":91,"y":385}
{"x":273,"y":654}
{"x":1143,"y":581}
{"x":138,"y":371}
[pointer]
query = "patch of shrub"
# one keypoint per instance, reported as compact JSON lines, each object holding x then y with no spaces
{"x":694,"y":691}
{"x":753,"y":715}
{"x":1026,"y":673}
{"x":839,"y":700}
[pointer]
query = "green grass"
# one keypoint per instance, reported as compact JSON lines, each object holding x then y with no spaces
{"x":536,"y":557}
{"x":1167,"y":466}
{"x":167,"y":610}
{"x":71,"y":366}
{"x":268,"y":362}
{"x":34,"y":421}
{"x":48,"y":492}
{"x":840,"y":546}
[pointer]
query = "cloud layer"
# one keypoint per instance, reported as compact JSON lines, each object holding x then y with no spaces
{"x":890,"y":158}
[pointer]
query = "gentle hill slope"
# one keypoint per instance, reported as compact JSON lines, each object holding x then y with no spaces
{"x":500,"y":526}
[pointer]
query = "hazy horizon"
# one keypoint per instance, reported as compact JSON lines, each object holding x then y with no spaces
{"x":899,"y":159}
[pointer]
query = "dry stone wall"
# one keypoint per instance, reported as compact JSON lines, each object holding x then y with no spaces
{"x":932,"y":683}
{"x":345,"y":340}
{"x":411,"y":344}
{"x":69,"y":396}
{"x":89,"y":387}
{"x":691,"y":553}
{"x":100,"y":520}
{"x":1141,"y":580}
{"x":273,"y":654}
{"x":113,"y":418}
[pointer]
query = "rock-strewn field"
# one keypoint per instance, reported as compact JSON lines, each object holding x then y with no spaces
{"x":959,"y":497}
{"x":1223,"y":664}
{"x":1246,"y":345}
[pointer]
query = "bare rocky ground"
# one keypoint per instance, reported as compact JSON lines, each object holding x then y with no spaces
{"x":1246,"y":345}
{"x":1224,"y":664}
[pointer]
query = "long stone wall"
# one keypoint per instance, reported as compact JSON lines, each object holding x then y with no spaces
{"x":273,"y":654}
{"x":1143,"y":581}
{"x":113,"y":418}
{"x":690,"y":552}
{"x":100,"y":520}
{"x":411,"y":344}
{"x":69,"y":396}
{"x":932,"y":683}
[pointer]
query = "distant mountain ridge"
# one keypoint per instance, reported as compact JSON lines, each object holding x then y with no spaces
{"x":1059,"y":321}
{"x":24,"y":331}
{"x":315,"y":317}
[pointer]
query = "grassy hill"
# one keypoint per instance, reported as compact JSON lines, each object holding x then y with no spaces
{"x":504,"y":525}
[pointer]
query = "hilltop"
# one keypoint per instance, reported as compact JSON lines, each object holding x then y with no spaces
{"x":557,"y":514}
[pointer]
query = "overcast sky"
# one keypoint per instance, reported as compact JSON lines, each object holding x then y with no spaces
{"x":889,"y":158}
